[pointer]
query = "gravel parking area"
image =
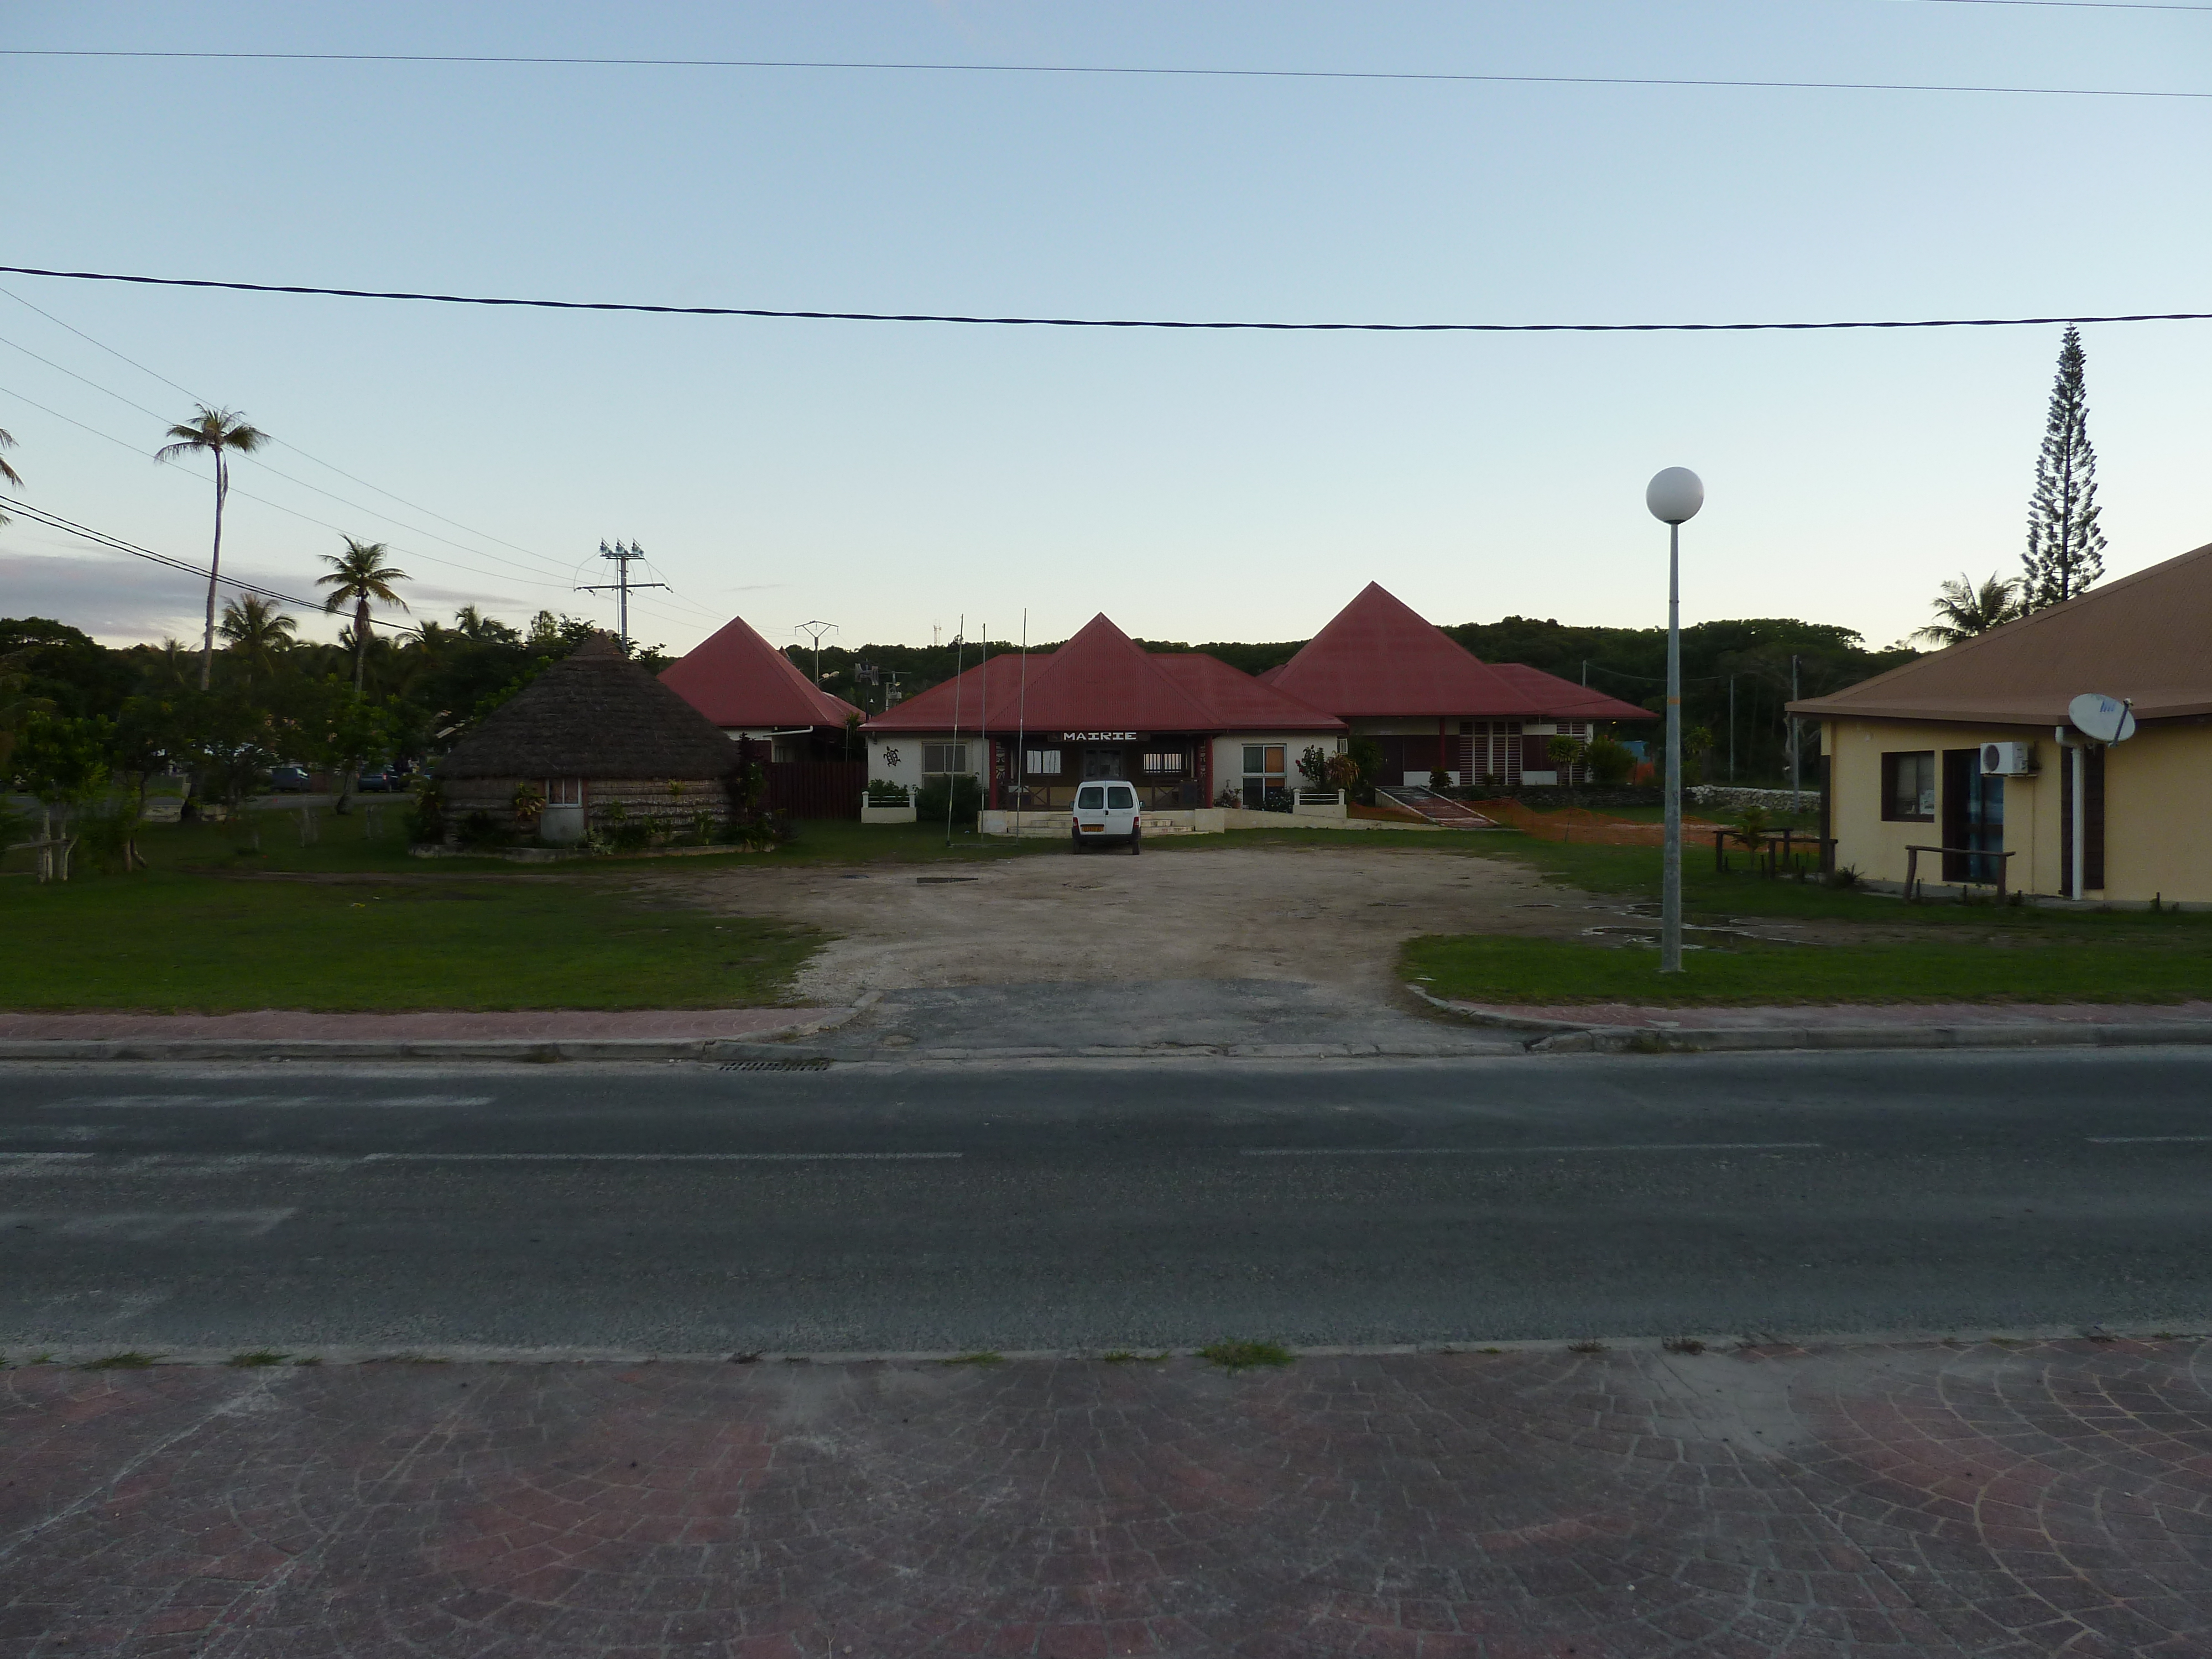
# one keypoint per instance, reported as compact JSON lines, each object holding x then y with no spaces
{"x":1330,"y":916}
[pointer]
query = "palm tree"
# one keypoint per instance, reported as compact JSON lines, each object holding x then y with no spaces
{"x":257,"y":631}
{"x":1962,"y":609}
{"x":8,"y":473}
{"x":215,"y":432}
{"x":356,"y":576}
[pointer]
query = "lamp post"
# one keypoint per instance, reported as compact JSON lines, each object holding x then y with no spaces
{"x":1673,"y":496}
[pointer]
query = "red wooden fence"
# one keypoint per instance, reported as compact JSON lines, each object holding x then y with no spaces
{"x":816,"y":789}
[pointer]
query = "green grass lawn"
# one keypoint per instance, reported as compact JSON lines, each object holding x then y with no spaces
{"x":1480,"y":968}
{"x":169,"y":940}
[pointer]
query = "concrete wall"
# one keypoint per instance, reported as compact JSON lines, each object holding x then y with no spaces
{"x":2158,"y":807}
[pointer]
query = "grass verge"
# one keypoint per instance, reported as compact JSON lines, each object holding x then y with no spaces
{"x":166,"y":941}
{"x":2057,"y":966}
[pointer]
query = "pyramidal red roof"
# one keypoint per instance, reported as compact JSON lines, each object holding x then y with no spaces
{"x":1564,"y":699}
{"x":738,"y":678}
{"x":1103,"y":680}
{"x":1378,"y":659}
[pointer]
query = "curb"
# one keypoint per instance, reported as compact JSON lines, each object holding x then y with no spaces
{"x":766,"y":1043}
{"x":1710,"y":1344}
{"x":1633,"y":1040}
{"x":1559,"y":1036}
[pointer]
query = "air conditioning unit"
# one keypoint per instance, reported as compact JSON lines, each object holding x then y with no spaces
{"x":2007,"y":760}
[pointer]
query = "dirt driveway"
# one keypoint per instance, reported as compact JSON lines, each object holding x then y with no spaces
{"x":1321,"y":915}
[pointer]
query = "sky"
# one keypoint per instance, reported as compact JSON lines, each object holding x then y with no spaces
{"x":892,"y":479}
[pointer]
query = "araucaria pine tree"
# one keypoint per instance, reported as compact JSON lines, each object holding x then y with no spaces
{"x":2065,"y":548}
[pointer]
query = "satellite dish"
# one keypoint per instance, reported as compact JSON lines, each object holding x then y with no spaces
{"x":2107,"y":720}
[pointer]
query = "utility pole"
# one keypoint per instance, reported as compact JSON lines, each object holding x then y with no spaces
{"x":622,"y":586}
{"x":1796,"y":805}
{"x":815,"y":631}
{"x":1731,"y":728}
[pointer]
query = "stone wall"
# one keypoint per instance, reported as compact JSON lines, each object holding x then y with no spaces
{"x":672,"y":807}
{"x":1727,"y":796}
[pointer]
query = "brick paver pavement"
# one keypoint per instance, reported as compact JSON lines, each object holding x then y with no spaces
{"x":1909,"y":1499}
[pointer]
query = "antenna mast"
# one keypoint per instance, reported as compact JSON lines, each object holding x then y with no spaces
{"x":622,"y":585}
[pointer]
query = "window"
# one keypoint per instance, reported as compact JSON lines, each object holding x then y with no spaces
{"x":1120,"y":797}
{"x":1166,"y":763}
{"x":1265,"y":770}
{"x":1041,"y":762}
{"x":942,"y":757}
{"x":1092,"y":797}
{"x":564,"y":792}
{"x":1908,"y":786}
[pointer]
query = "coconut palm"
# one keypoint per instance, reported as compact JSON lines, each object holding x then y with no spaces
{"x":1963,"y":609}
{"x":216,"y":433}
{"x":8,"y":473}
{"x":258,"y":632}
{"x":356,"y":577}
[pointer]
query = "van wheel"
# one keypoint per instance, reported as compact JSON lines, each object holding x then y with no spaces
{"x":1075,"y":841}
{"x":1136,"y":840}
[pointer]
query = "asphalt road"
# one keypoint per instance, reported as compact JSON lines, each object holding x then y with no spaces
{"x":683,"y":1208}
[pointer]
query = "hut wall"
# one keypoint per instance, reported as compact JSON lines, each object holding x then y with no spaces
{"x":658,"y":801}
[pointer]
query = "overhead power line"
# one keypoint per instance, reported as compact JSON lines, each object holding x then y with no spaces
{"x":1158,"y":71}
{"x":1102,"y":322}
{"x":115,"y":544}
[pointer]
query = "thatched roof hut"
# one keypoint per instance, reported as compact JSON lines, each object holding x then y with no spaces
{"x":596,"y":715}
{"x":598,"y":740}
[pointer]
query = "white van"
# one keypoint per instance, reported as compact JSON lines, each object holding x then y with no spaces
{"x":1106,"y":810}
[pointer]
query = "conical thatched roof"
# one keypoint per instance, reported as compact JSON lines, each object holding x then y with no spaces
{"x":596,"y":715}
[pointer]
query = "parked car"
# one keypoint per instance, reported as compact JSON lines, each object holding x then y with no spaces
{"x":382,"y":779}
{"x":289,"y":781}
{"x":1106,"y":810}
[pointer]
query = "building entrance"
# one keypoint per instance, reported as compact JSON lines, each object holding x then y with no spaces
{"x":1102,"y":763}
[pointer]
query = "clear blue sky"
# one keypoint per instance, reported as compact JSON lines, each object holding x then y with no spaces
{"x":888,"y":478}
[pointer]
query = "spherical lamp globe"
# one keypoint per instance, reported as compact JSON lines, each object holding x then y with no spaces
{"x":1674,"y":495}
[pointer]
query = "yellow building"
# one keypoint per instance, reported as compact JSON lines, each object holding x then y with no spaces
{"x":1968,"y":751}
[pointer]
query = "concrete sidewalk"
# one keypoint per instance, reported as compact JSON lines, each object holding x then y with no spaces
{"x":1896,"y":1499}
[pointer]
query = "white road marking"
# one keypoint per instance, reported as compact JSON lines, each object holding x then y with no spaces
{"x":643,"y":1158}
{"x":1512,"y":1152}
{"x":146,"y":1226}
{"x":110,"y":1103}
{"x":2142,"y":1140}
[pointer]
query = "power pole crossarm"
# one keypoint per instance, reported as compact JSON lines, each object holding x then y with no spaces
{"x":622,"y":586}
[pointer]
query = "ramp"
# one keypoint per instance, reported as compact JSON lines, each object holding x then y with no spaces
{"x":1440,"y":810}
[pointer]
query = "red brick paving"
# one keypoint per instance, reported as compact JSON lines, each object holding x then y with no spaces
{"x":1855,"y":1501}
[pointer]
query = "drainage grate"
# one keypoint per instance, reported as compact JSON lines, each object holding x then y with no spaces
{"x":776,"y":1066}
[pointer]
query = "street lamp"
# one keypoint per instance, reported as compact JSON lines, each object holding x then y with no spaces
{"x":1674,"y":496}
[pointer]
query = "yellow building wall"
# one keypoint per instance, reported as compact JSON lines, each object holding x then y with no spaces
{"x":2158,"y":807}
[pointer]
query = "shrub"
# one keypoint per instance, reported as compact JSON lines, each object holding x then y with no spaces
{"x":426,"y":819}
{"x":1277,"y":800}
{"x":1313,"y":766}
{"x":882,"y":792}
{"x":1439,"y":778}
{"x":108,"y":835}
{"x":1229,"y":797}
{"x":963,"y":796}
{"x":1610,"y":762}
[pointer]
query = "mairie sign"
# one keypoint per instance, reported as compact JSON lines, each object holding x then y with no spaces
{"x":1098,"y":737}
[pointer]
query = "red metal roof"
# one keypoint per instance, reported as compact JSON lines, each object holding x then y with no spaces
{"x":1378,"y":659}
{"x":1102,"y":680}
{"x":1564,"y":699}
{"x":737,"y":678}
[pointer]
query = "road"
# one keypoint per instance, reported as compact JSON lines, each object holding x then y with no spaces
{"x":679,"y":1208}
